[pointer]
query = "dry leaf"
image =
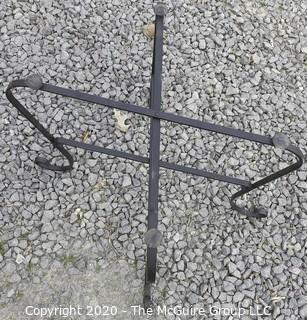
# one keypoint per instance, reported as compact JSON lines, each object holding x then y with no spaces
{"x":100,"y":185}
{"x":149,"y":30}
{"x":85,"y":135}
{"x":277,"y":299}
{"x":79,"y":213}
{"x":120,"y":121}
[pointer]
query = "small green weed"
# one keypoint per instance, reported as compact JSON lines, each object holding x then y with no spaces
{"x":67,"y":259}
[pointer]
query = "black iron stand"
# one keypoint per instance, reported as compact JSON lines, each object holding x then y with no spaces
{"x":153,"y":236}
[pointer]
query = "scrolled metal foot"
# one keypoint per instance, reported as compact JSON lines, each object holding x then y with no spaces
{"x":254,"y":212}
{"x":260,"y":213}
{"x":46,"y":164}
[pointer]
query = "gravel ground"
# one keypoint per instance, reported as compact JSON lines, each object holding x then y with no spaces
{"x":77,"y":238}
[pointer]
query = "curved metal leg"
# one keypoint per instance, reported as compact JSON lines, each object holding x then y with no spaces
{"x":259,"y":212}
{"x":35,"y":82}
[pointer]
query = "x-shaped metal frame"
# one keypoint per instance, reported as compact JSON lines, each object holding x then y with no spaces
{"x":153,"y":236}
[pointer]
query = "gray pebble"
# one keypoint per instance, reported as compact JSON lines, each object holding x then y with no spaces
{"x":59,"y":115}
{"x":238,"y":297}
{"x":266,"y":272}
{"x":51,"y":204}
{"x":303,"y":312}
{"x":46,"y":228}
{"x":202,"y":44}
{"x":232,"y":91}
{"x":126,"y":181}
{"x":15,"y":278}
{"x":33,"y":236}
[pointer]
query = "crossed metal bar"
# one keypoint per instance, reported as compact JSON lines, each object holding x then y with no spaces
{"x":153,"y":236}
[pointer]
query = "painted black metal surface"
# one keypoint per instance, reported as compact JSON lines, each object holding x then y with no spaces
{"x":153,"y":236}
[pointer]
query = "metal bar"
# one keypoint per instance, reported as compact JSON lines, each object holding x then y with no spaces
{"x":155,"y":104}
{"x":203,"y":173}
{"x":94,"y":148}
{"x":154,"y":147}
{"x":189,"y":170}
{"x":163,"y":164}
{"x":157,"y":114}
